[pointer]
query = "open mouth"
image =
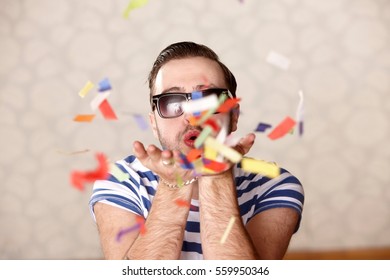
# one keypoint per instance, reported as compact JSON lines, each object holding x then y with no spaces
{"x":190,"y":137}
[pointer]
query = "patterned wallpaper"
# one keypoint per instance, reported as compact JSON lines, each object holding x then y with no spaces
{"x":336,"y":51}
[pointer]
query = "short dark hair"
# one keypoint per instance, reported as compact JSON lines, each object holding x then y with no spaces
{"x":185,"y":50}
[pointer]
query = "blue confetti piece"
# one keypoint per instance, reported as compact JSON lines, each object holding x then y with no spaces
{"x":261,"y":127}
{"x":141,"y":122}
{"x":104,"y":85}
{"x":196,"y":95}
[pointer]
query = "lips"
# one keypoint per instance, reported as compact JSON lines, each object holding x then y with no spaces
{"x":190,"y":137}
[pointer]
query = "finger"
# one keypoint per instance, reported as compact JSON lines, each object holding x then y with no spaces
{"x":245,"y":143}
{"x":167,"y":157}
{"x":154,"y":153}
{"x":139,"y":150}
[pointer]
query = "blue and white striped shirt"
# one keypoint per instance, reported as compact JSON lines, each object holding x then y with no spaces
{"x":255,"y":193}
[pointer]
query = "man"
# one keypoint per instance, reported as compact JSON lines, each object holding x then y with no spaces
{"x":263,"y":212}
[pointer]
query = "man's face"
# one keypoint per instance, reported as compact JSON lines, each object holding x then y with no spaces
{"x":185,"y":75}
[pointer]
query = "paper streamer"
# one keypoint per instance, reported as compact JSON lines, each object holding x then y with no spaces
{"x":227,"y":230}
{"x":282,"y":129}
{"x":84,"y":91}
{"x":268,"y":169}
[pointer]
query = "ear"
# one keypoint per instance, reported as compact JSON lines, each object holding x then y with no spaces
{"x":235,"y":115}
{"x":152,"y":120}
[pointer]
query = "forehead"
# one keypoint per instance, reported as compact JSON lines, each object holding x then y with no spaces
{"x":188,"y":74}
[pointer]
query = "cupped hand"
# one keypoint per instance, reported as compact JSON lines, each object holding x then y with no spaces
{"x":164,"y":163}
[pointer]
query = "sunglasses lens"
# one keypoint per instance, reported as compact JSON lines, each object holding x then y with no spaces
{"x":171,"y":105}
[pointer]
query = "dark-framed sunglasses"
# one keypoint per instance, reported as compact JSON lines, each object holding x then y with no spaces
{"x":169,"y":104}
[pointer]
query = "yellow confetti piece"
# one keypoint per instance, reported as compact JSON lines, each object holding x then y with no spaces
{"x":226,"y":151}
{"x":210,"y":153}
{"x":133,"y":4}
{"x":84,"y":118}
{"x":84,"y":91}
{"x":260,"y":166}
{"x":227,"y":230}
{"x":118,"y":173}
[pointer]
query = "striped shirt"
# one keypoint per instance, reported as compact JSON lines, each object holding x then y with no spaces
{"x":255,"y":193}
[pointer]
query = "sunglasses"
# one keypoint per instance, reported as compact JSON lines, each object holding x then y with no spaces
{"x":169,"y":105}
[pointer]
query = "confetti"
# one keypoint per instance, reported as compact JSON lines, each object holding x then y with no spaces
{"x":104,"y":85}
{"x":84,"y":118}
{"x":282,"y":129}
{"x":202,"y":104}
{"x":182,"y":203}
{"x":106,"y":110}
{"x":134,"y":4}
{"x":194,"y":154}
{"x":79,"y":178}
{"x":141,"y":222}
{"x":95,"y":103}
{"x":73,"y":153}
{"x":226,"y":151}
{"x":278,"y":60}
{"x":300,"y":112}
{"x":118,"y":173}
{"x":228,"y":105}
{"x":268,"y":169}
{"x":207,"y":130}
{"x":261,"y":127}
{"x":141,"y":122}
{"x":227,"y":230}
{"x":215,"y":166}
{"x":125,"y":231}
{"x":84,"y":91}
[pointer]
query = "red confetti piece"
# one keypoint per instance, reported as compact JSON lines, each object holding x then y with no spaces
{"x":216,"y":166}
{"x":213,"y":124}
{"x":282,"y":129}
{"x":107,"y":111}
{"x":228,"y":105}
{"x":182,"y":203}
{"x":79,"y":178}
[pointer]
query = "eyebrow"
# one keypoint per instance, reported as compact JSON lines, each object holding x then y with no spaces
{"x":181,"y":89}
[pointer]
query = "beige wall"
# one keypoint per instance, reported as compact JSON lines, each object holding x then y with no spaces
{"x":340,"y":57}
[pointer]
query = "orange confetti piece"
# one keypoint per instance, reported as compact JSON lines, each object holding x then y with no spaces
{"x":194,"y":154}
{"x":79,"y":178}
{"x":141,"y":222}
{"x":282,"y":129}
{"x":84,"y":118}
{"x":107,"y":111}
{"x":228,"y":105}
{"x":182,"y":203}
